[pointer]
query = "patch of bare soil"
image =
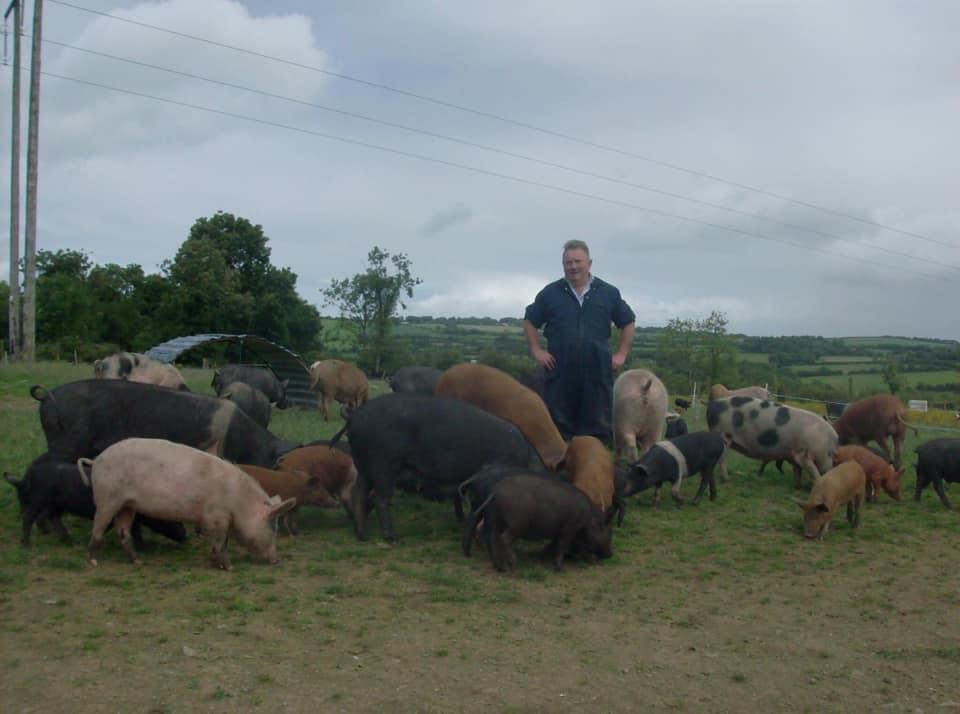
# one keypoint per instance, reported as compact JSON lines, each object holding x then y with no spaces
{"x":415,"y":628}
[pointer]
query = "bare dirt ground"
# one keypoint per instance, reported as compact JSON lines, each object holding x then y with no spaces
{"x":686,"y":622}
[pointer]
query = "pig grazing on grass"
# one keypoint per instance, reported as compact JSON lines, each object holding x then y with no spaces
{"x":175,"y":482}
{"x":250,"y":400}
{"x":675,"y":459}
{"x":768,"y":431}
{"x":938,"y":460}
{"x":532,"y":507}
{"x":443,"y":441}
{"x":51,"y":488}
{"x":879,"y":472}
{"x":842,"y":485}
{"x":305,"y":489}
{"x":333,"y":467}
{"x":639,"y":413}
{"x":84,"y":418}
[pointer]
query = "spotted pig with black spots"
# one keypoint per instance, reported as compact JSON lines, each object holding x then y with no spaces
{"x":768,"y":431}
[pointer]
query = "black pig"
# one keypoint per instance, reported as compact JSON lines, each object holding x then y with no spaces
{"x":938,"y":460}
{"x":532,"y":507}
{"x":51,"y":488}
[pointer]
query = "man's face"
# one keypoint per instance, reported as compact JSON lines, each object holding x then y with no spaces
{"x":576,"y":265}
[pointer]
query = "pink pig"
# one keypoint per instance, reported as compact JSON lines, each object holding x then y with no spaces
{"x":179,"y":483}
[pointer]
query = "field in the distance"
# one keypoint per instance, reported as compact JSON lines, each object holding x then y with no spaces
{"x":716,"y":607}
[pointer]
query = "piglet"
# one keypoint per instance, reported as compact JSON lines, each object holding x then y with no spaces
{"x":175,"y":482}
{"x":878,"y":470}
{"x":842,"y":485}
{"x":307,"y":490}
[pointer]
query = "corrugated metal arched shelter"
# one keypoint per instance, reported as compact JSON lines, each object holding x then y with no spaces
{"x":284,"y":363}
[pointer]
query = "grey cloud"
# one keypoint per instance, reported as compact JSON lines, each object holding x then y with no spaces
{"x":443,"y":220}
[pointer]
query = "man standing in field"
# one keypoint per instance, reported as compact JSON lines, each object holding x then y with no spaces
{"x":577,"y":311}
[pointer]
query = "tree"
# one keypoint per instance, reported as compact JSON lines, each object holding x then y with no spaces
{"x":370,"y":300}
{"x":691,"y":351}
{"x":890,"y":376}
{"x":717,"y":355}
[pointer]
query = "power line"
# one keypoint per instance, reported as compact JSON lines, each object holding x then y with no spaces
{"x":486,"y":172}
{"x":513,"y":122}
{"x":503,"y":152}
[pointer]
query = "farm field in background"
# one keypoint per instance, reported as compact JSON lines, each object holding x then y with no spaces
{"x":720,"y":607}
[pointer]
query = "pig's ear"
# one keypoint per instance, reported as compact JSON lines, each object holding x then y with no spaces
{"x":280,"y":508}
{"x":214,"y":448}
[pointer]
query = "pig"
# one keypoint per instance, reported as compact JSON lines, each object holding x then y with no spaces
{"x":769,"y":431}
{"x":938,"y":460}
{"x":305,"y":489}
{"x":590,"y":468}
{"x":262,"y":378}
{"x":480,"y":486}
{"x":718,"y":391}
{"x":874,"y":419}
{"x":497,"y":392}
{"x":251,"y":401}
{"x":639,"y":413}
{"x":415,"y":379}
{"x":50,"y":488}
{"x":442,"y":440}
{"x":330,"y":464}
{"x":84,"y":418}
{"x":529,"y":506}
{"x":672,"y":460}
{"x":878,"y":471}
{"x":843,"y":484}
{"x":340,"y":381}
{"x":676,"y":426}
{"x":171,"y":481}
{"x":136,"y":367}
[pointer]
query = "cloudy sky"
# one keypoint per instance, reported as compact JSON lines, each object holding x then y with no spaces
{"x":794,"y":164}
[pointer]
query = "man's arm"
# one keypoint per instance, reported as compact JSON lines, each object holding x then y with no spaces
{"x":623,"y":346}
{"x":540,"y":355}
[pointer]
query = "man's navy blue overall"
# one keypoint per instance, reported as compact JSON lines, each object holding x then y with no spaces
{"x":579,"y":389}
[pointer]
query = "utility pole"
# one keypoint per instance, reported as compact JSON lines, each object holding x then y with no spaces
{"x":33,"y":131}
{"x":13,"y":340}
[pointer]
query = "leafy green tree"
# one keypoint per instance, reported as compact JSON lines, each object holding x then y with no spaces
{"x":676,"y":354}
{"x":891,"y":376}
{"x":370,"y":300}
{"x":243,"y":246}
{"x":717,"y":354}
{"x":65,"y":313}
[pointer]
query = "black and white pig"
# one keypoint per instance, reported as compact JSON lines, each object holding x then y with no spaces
{"x":442,"y":440}
{"x":81,"y":419}
{"x":673,"y":460}
{"x":938,"y":460}
{"x":51,"y":488}
{"x":533,"y":507}
{"x":768,"y":431}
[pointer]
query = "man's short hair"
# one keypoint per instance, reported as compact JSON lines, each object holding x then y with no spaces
{"x":576,"y":245}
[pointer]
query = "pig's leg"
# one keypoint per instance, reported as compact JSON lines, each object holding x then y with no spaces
{"x":61,"y":530}
{"x":656,"y":495}
{"x":101,"y":521}
{"x":357,"y":509}
{"x":897,"y":442}
{"x":43,"y":523}
{"x":724,"y":476}
{"x":885,"y":447}
{"x":938,"y":487}
{"x":506,"y":538}
{"x":675,"y":490}
{"x":30,"y":515}
{"x":705,"y":479}
{"x":382,"y":495}
{"x":217,"y":531}
{"x":123,"y":522}
{"x":458,"y":508}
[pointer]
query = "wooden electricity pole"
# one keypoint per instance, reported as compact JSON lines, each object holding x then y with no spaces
{"x":33,"y":131}
{"x":13,"y":340}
